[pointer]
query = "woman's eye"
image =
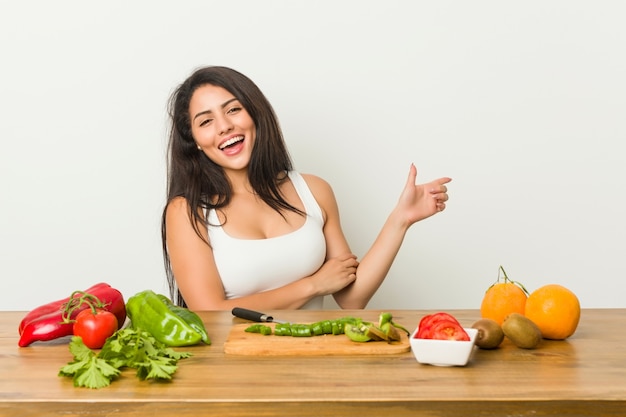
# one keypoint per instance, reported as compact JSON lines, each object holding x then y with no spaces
{"x":205,"y":122}
{"x":234,"y":110}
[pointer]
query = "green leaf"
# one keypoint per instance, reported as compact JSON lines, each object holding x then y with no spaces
{"x":117,"y":361}
{"x":79,"y":350}
{"x":113,"y":345}
{"x":97,"y":374}
{"x":157,"y":368}
{"x":171,"y":353}
{"x":150,"y":346}
{"x":73,"y":367}
{"x":105,"y":368}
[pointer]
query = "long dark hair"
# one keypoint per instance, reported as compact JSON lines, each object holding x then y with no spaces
{"x":203,"y":183}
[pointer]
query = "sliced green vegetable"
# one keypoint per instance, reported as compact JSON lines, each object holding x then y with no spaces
{"x":355,"y":328}
{"x":259,"y":328}
{"x":282,"y":329}
{"x":301,"y":330}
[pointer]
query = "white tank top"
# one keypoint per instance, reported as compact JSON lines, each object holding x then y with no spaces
{"x":248,"y":266}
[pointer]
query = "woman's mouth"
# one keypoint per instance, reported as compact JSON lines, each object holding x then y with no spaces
{"x":230,"y":142}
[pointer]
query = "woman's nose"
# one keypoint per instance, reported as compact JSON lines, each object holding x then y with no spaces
{"x":224,"y":125}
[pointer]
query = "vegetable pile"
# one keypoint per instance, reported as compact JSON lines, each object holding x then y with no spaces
{"x":56,"y":319}
{"x":356,"y":329}
{"x":96,"y":317}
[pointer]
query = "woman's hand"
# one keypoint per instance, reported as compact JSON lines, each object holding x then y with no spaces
{"x":335,"y":274}
{"x":420,"y":201}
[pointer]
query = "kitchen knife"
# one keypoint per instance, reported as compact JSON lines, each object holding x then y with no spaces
{"x":244,"y":313}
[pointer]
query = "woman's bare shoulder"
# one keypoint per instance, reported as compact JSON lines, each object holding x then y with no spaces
{"x":178,"y":210}
{"x":322,"y":191}
{"x":177,"y":218}
{"x":318,"y":186}
{"x":177,"y":206}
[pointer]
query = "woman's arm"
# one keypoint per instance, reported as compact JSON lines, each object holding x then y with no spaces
{"x":200,"y":284}
{"x":416,"y":203}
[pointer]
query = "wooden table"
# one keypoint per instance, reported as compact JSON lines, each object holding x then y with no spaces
{"x":582,"y":376}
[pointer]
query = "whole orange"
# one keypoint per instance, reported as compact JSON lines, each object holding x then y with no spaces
{"x":555,"y":310}
{"x":502,"y":299}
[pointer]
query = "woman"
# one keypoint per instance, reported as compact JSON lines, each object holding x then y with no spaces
{"x":242,"y":228}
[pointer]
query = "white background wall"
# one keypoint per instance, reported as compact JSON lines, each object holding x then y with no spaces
{"x":523,"y":104}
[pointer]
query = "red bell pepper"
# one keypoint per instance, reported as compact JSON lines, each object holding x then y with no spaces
{"x":51,"y":321}
{"x":53,"y":307}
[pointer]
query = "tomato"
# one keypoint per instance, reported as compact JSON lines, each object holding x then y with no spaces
{"x":426,"y":324}
{"x":448,"y":330}
{"x":441,"y":326}
{"x":95,"y":328}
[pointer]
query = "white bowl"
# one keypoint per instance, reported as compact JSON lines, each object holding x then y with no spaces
{"x":443,"y":352}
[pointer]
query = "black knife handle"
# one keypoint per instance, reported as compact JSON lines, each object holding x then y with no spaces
{"x":244,"y":313}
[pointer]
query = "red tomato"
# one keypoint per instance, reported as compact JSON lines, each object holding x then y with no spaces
{"x":441,"y":326}
{"x":94,"y":329}
{"x":448,"y":330}
{"x":427,"y":322}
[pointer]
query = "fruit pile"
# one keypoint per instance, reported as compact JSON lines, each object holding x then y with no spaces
{"x":508,"y":309}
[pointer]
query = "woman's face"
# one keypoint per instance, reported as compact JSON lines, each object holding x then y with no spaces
{"x":221,"y":127}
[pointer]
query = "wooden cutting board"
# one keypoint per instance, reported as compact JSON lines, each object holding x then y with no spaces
{"x":240,"y":342}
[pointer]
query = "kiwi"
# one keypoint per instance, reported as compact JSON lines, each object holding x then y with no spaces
{"x":374,"y":333}
{"x":490,"y":334}
{"x":357,"y":332}
{"x":522,"y":331}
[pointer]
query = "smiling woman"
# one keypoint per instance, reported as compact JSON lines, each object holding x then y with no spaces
{"x":214,"y":113}
{"x":242,"y":228}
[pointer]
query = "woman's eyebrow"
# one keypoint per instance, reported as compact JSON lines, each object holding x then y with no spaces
{"x":226,"y":103}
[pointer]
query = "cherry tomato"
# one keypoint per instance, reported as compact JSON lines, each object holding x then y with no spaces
{"x":94,"y":329}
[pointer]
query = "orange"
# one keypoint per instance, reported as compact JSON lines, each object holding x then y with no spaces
{"x":502,"y":299}
{"x":555,"y":310}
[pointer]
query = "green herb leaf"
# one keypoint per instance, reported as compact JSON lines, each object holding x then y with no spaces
{"x":73,"y":368}
{"x":157,"y":367}
{"x":79,"y":350}
{"x":97,"y":374}
{"x":87,"y":370}
{"x":171,"y":353}
{"x":128,"y":347}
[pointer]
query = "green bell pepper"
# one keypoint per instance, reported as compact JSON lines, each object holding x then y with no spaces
{"x":148,"y":312}
{"x":189,"y":316}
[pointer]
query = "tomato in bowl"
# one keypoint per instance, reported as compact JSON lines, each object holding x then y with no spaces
{"x":440,"y":340}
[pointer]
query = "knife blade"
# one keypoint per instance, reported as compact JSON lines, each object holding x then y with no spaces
{"x":244,"y":313}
